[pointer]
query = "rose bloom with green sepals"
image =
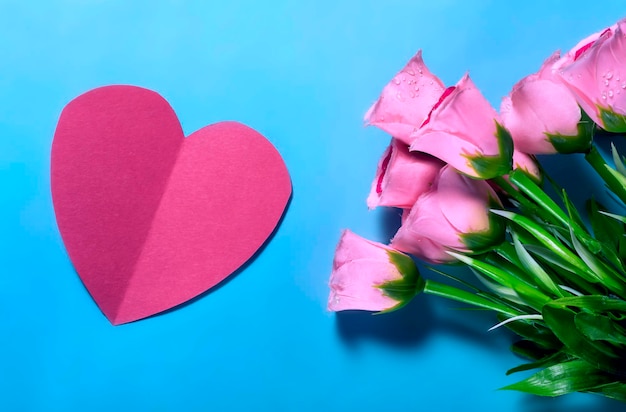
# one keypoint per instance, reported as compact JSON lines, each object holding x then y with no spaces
{"x":371,"y":276}
{"x":453,"y":216}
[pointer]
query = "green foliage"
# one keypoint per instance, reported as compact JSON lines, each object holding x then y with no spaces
{"x":554,"y":280}
{"x":574,"y":276}
{"x":563,"y":378}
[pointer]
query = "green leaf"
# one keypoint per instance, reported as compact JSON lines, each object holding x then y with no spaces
{"x":614,"y":390}
{"x":607,"y":231}
{"x":542,"y":362}
{"x":512,"y":266}
{"x":536,"y":332}
{"x":501,"y":164}
{"x":502,"y":301}
{"x":449,"y":292}
{"x":621,"y":249}
{"x":608,"y":277}
{"x":611,"y":121}
{"x":541,"y":277}
{"x":578,"y":143}
{"x":405,"y":288}
{"x":613,"y":180}
{"x":600,"y":327}
{"x":617,"y":160}
{"x":576,"y":226}
{"x":598,"y":303}
{"x":564,"y":267}
{"x":529,"y":294}
{"x":619,"y":218}
{"x":563,"y":378}
{"x":530,"y":350}
{"x":551,"y":243}
{"x":561,"y":319}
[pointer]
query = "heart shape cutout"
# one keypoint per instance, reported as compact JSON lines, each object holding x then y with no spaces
{"x":151,"y":219}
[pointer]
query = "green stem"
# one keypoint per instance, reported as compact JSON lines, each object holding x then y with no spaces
{"x":595,"y":159}
{"x":450,"y":292}
{"x":526,"y":205}
{"x":541,"y":198}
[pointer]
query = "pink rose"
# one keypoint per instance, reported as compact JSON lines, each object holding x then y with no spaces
{"x":453,"y":216}
{"x":402,"y":176}
{"x":371,"y":276}
{"x":597,"y":76}
{"x":462,"y":129}
{"x":406,"y":101}
{"x":543,"y":116}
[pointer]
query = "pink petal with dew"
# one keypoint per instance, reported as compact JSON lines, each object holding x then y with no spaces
{"x":547,"y":71}
{"x":462,"y":125}
{"x":597,"y":77}
{"x":406,"y":101}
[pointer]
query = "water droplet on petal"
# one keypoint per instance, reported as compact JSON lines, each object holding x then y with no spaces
{"x":609,"y":75}
{"x":420,"y":71}
{"x":396,"y":80}
{"x":610,"y":93}
{"x":417,"y":88}
{"x":623,"y":85}
{"x":399,"y":96}
{"x":606,"y":82}
{"x":412,"y":95}
{"x":603,"y":96}
{"x":411,"y":72}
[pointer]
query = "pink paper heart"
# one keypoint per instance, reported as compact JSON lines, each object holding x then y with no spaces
{"x":151,"y":219}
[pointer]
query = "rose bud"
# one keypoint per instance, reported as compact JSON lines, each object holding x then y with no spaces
{"x":543,"y":116}
{"x":371,"y":276}
{"x":453,"y":216}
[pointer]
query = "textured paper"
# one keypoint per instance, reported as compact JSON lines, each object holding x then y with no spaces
{"x":151,"y":219}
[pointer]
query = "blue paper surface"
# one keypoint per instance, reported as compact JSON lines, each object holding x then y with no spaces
{"x":303,"y":74}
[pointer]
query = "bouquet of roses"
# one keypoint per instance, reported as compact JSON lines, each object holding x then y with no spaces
{"x":471,"y":193}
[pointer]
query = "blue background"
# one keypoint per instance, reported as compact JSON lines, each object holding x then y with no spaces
{"x":303,"y":74}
